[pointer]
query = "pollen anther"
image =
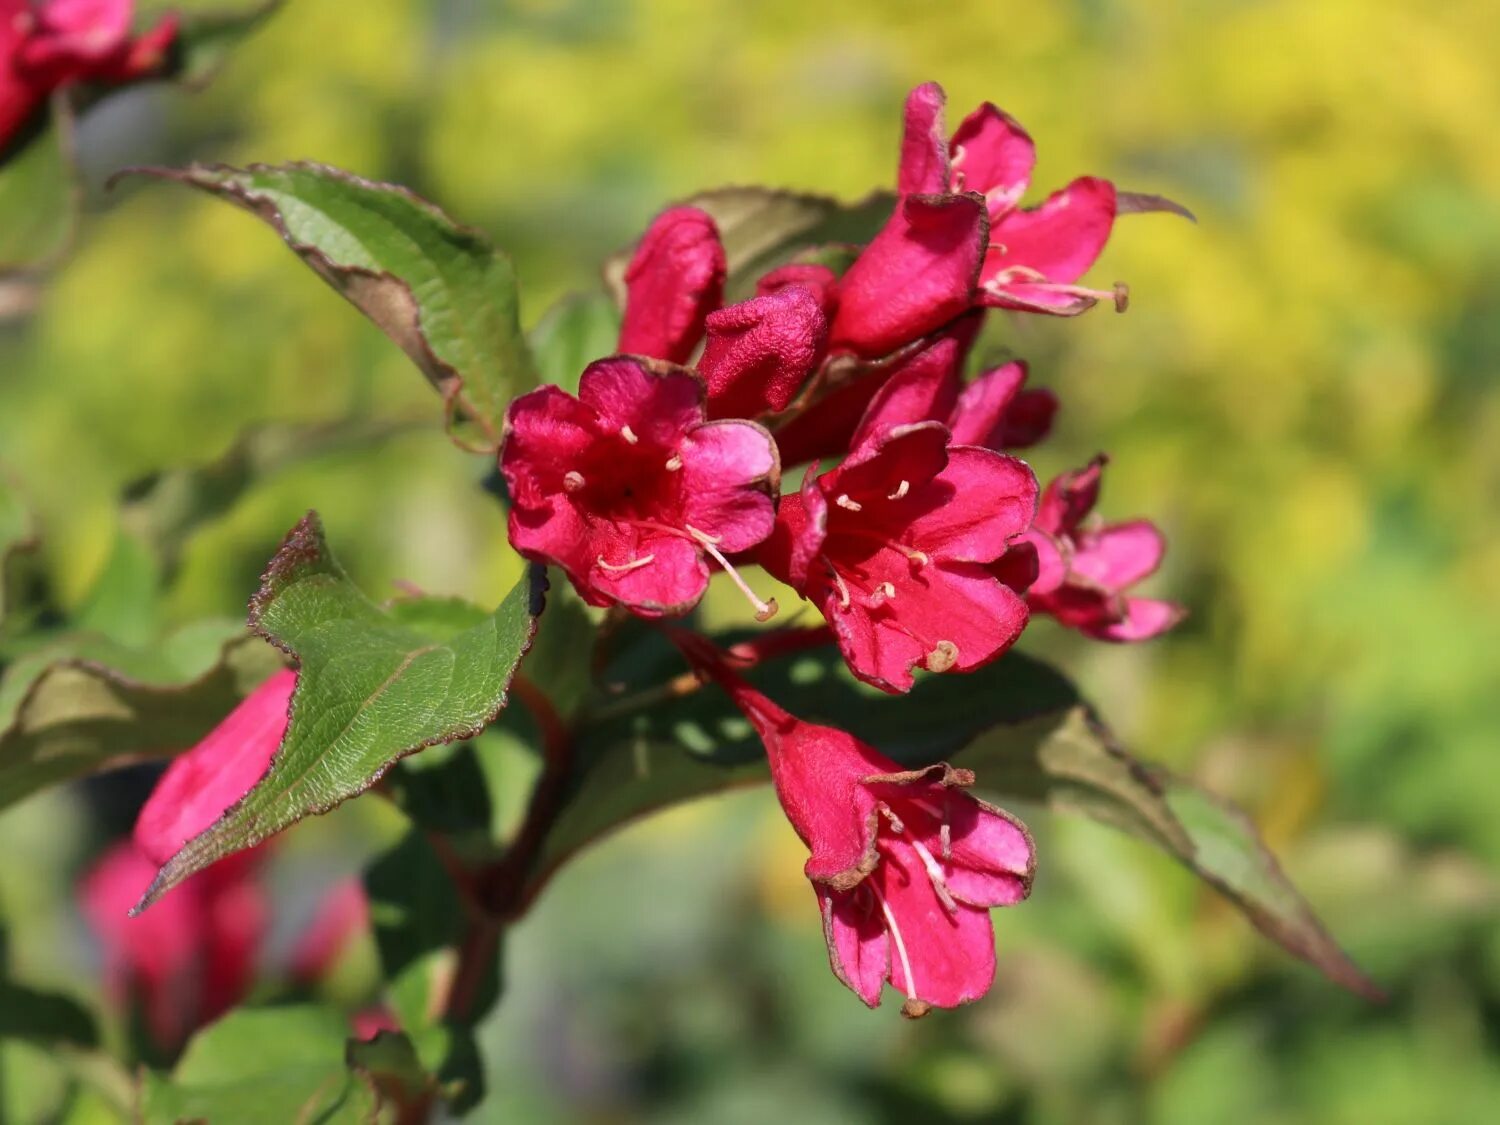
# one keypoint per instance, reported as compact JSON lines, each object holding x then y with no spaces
{"x":901,"y":490}
{"x":843,"y":501}
{"x":572,"y":481}
{"x":629,"y":435}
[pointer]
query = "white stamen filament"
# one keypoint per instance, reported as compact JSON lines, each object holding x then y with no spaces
{"x":764,"y":610}
{"x":633,"y":564}
{"x":572,"y":481}
{"x":844,"y":502}
{"x":895,"y":931}
{"x":628,"y":434}
{"x":1119,"y":295}
{"x":838,"y":580}
{"x":935,"y":874}
{"x":901,"y":490}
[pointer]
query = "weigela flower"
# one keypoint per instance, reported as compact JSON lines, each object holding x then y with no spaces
{"x":56,"y":43}
{"x":1086,"y":567}
{"x":897,"y":548}
{"x":674,"y":280}
{"x":628,"y":487}
{"x":759,"y":352}
{"x":188,"y":959}
{"x":993,"y":411}
{"x":202,"y":783}
{"x":905,"y":863}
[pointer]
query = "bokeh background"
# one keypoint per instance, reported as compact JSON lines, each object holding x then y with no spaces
{"x":1302,"y":394}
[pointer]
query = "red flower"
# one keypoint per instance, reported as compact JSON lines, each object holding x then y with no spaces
{"x":201,"y":784}
{"x":896,"y":546}
{"x":56,"y":43}
{"x":906,"y":865}
{"x":627,"y":487}
{"x":188,"y":959}
{"x":673,"y":282}
{"x":1085,"y":567}
{"x":993,"y":411}
{"x":760,"y":351}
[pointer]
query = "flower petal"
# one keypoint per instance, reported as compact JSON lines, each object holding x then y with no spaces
{"x":950,"y":954}
{"x":1120,"y":555}
{"x":858,"y":946}
{"x":729,"y":476}
{"x":924,"y":143}
{"x":760,"y":352}
{"x":658,"y":406}
{"x":1144,"y":618}
{"x":1059,"y":239}
{"x":673,"y":282}
{"x":994,"y":156}
{"x":992,"y":856}
{"x":986,"y":500}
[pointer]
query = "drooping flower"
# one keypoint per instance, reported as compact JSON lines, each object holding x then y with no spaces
{"x":201,"y":784}
{"x":759,"y":352}
{"x":906,"y":864}
{"x":188,"y":959}
{"x":627,"y":487}
{"x":1086,"y":567}
{"x":57,"y":43}
{"x":994,"y":411}
{"x":673,"y":282}
{"x":897,"y":547}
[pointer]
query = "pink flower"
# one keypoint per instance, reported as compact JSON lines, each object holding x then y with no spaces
{"x":201,"y":784}
{"x":818,"y":280}
{"x":627,"y":487}
{"x":188,"y":959}
{"x":673,"y":282}
{"x":56,"y":43}
{"x":905,"y":864}
{"x":1085,"y":567}
{"x":897,"y":548}
{"x":993,"y":411}
{"x":760,"y":351}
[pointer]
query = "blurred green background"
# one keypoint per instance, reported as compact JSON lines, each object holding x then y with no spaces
{"x":1302,"y":393}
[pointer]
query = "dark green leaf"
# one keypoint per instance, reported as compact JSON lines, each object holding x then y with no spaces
{"x":205,"y":40}
{"x":39,"y":196}
{"x":370,"y":690}
{"x":439,"y":290}
{"x":44,"y":1017}
{"x":572,"y":334}
{"x":84,"y":703}
{"x":763,"y":228}
{"x":18,"y":542}
{"x":389,"y":1066}
{"x":264,"y":1066}
{"x":1018,"y":724}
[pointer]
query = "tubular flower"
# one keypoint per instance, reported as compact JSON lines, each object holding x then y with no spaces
{"x":201,"y":784}
{"x":627,"y":487}
{"x":56,"y":43}
{"x":1085,"y":567}
{"x":673,"y":282}
{"x":905,"y":864}
{"x":188,"y":959}
{"x":993,"y":411}
{"x":897,"y":547}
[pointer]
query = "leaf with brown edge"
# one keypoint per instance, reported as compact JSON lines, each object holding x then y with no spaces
{"x":1142,"y":203}
{"x":372,"y":687}
{"x":441,"y":291}
{"x":762,"y":228}
{"x":1020,"y":725}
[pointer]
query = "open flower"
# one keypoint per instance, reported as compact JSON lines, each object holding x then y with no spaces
{"x":627,"y":487}
{"x":994,"y":411}
{"x":674,"y":280}
{"x":1085,"y":567}
{"x":905,"y":863}
{"x":202,"y":783}
{"x":897,"y":547}
{"x":56,"y":43}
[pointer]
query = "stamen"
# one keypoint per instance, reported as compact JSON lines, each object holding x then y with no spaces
{"x":628,"y":434}
{"x":895,"y":932}
{"x":764,"y":610}
{"x":674,"y":463}
{"x":935,"y":875}
{"x":1119,"y":296}
{"x":843,"y":501}
{"x":572,"y":481}
{"x":921,"y":558}
{"x":888,"y":589}
{"x":890,"y":815}
{"x":944,"y":655}
{"x":838,"y":580}
{"x":901,"y":490}
{"x":633,"y":564}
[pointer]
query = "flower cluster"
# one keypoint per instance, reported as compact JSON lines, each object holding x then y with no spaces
{"x":914,"y":530}
{"x":48,"y":45}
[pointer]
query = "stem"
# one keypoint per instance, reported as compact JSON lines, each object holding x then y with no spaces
{"x":481,"y":945}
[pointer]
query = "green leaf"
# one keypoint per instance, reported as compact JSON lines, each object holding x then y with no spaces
{"x":763,"y":228}
{"x":270,"y":1066}
{"x":441,"y":291}
{"x":573,"y":333}
{"x":18,"y":542}
{"x":205,"y":40}
{"x":39,"y":195}
{"x":84,"y":703}
{"x":389,"y":1065}
{"x":371,"y":689}
{"x":1018,"y":724}
{"x":44,"y":1017}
